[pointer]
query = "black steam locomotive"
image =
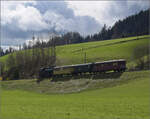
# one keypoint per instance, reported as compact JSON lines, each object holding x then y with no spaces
{"x":112,"y":65}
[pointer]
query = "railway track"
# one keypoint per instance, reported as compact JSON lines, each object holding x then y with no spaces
{"x":106,"y":75}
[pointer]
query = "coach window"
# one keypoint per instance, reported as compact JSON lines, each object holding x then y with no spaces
{"x":102,"y":65}
{"x":115,"y":64}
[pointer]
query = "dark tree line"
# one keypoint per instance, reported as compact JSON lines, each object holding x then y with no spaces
{"x":134,"y":25}
{"x":8,"y":51}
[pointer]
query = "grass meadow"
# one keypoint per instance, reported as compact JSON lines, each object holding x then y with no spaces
{"x":128,"y":100}
{"x":101,"y":50}
{"x":97,"y":51}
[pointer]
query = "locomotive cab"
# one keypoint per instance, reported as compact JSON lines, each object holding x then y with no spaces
{"x":45,"y":72}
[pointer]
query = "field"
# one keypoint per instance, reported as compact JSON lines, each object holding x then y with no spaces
{"x":98,"y":51}
{"x":124,"y":97}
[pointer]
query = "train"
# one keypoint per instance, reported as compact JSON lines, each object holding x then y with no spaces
{"x":92,"y":68}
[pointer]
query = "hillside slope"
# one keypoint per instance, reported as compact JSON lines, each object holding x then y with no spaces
{"x":97,"y":51}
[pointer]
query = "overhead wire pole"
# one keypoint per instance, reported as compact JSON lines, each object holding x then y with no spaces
{"x":54,"y":52}
{"x":85,"y":57}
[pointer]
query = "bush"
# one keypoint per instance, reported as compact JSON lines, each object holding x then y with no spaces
{"x":11,"y":74}
{"x":141,"y":56}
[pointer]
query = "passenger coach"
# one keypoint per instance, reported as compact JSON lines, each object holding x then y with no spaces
{"x":97,"y":67}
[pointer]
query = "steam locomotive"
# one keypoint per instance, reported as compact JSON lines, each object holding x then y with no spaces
{"x":112,"y":65}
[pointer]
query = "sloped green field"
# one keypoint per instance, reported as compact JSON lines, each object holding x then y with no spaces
{"x":97,"y":51}
{"x":130,"y":100}
{"x":100,"y":51}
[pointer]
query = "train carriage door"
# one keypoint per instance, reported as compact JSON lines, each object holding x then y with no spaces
{"x":102,"y":67}
{"x":122,"y":65}
{"x":91,"y":69}
{"x":115,"y":65}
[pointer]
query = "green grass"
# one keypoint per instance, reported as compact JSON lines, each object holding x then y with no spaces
{"x":100,"y":51}
{"x":97,"y":51}
{"x":128,"y":98}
